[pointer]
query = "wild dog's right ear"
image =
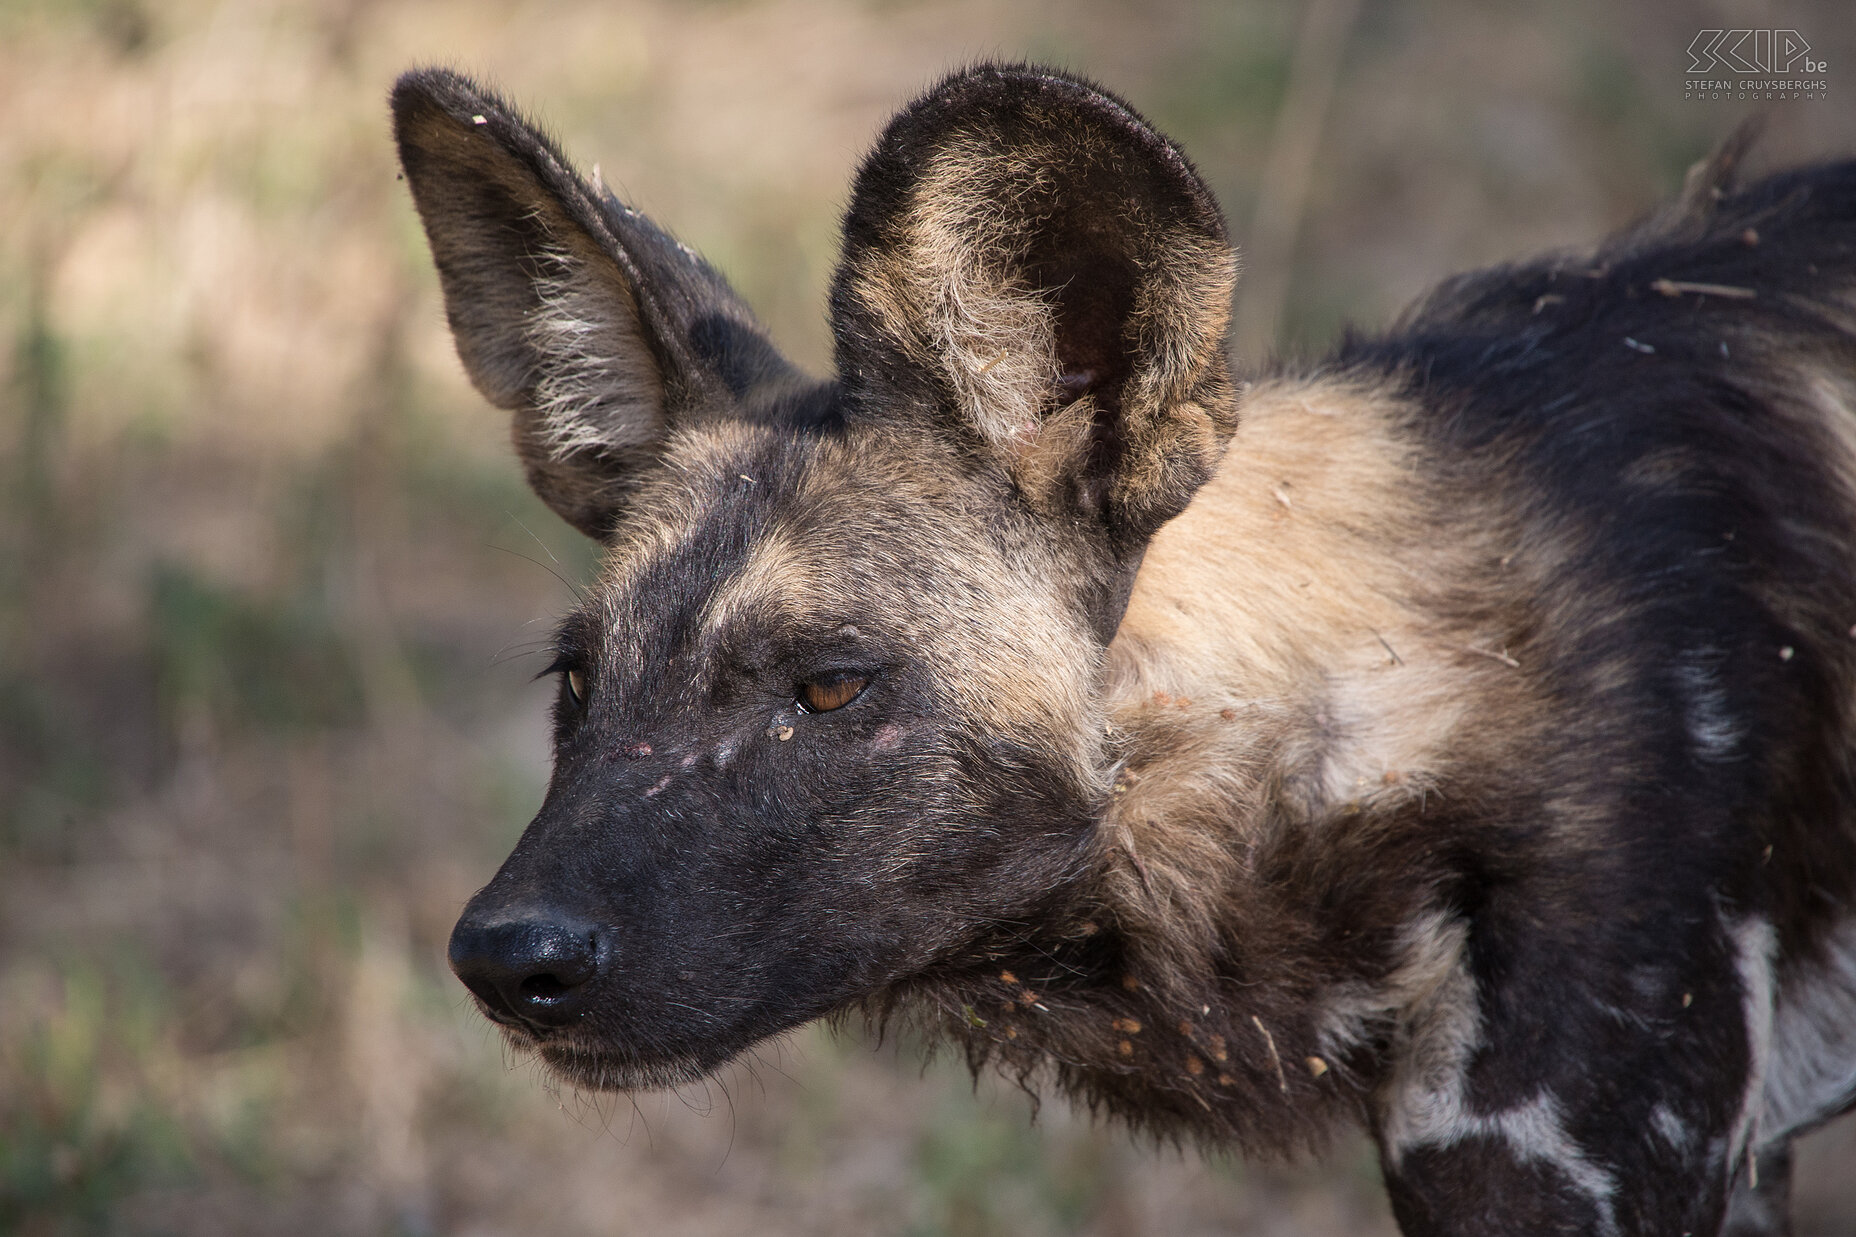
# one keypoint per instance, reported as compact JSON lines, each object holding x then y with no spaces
{"x":1026,"y":257}
{"x":570,"y":309}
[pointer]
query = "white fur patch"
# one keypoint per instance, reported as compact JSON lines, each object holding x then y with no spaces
{"x":598,"y":385}
{"x":1813,"y":1040}
{"x":1535,"y":1131}
{"x":1715,"y":731}
{"x":1430,"y":951}
{"x":1672,"y":1128}
{"x":1425,"y":1101}
{"x":1754,"y":943}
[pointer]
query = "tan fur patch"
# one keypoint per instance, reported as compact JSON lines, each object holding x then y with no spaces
{"x":1292,"y":602}
{"x":781,"y":577}
{"x":1285,"y":663}
{"x":953,"y":298}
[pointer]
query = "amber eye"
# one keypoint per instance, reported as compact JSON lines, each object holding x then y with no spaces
{"x":831,"y":692}
{"x":576,"y":686}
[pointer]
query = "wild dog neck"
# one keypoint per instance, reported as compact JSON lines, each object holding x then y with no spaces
{"x":1279,"y":693}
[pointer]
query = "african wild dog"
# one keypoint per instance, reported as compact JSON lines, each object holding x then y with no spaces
{"x":1454,"y":735}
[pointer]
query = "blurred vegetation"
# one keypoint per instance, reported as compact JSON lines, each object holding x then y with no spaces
{"x":269,"y":579}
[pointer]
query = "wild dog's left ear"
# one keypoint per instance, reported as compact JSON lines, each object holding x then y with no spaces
{"x":1024,"y":253}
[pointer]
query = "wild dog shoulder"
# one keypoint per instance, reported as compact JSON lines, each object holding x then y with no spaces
{"x":1333,"y":606}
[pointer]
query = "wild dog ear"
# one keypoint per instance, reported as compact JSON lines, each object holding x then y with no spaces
{"x":570,"y":309}
{"x":1024,"y":252}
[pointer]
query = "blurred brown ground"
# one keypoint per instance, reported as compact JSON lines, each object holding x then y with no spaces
{"x":270,"y":587}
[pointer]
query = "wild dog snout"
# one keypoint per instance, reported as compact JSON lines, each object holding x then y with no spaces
{"x":529,"y":967}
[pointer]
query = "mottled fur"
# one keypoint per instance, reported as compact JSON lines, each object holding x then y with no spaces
{"x":1459,"y":741}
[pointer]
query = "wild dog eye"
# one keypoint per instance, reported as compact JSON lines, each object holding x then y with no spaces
{"x":832,"y":691}
{"x":573,"y":677}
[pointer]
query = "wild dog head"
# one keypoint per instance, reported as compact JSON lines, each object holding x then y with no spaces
{"x":828,"y":718}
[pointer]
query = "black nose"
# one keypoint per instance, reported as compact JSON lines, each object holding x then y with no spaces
{"x":528,"y":968}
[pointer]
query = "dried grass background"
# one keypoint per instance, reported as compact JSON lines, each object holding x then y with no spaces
{"x":269,"y":583}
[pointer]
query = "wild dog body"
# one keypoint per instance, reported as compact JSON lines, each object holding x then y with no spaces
{"x":1463,"y":747}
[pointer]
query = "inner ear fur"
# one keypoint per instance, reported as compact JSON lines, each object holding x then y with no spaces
{"x":1026,"y":255}
{"x":579,"y":315}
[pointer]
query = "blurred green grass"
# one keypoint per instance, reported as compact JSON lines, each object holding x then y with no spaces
{"x":269,"y":578}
